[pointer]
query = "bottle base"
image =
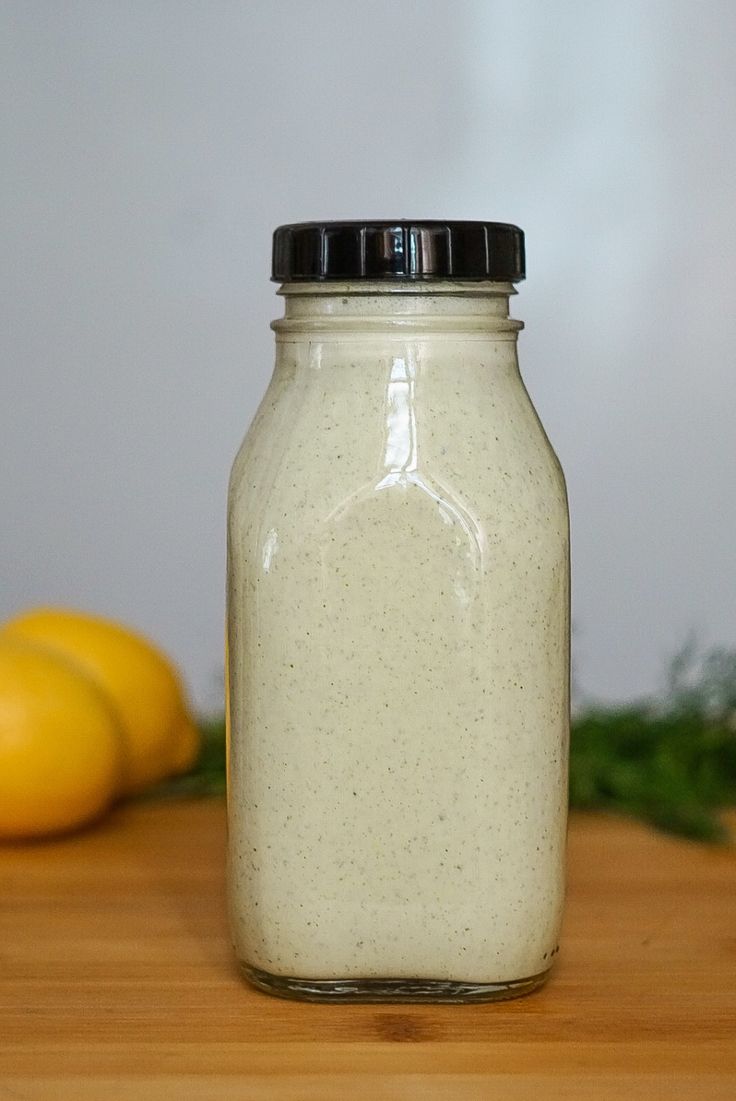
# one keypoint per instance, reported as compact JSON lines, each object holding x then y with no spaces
{"x":389,"y":990}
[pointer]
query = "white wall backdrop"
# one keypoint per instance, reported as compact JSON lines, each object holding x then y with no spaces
{"x":150,"y":146}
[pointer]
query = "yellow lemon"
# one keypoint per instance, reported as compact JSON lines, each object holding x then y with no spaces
{"x":143,"y":685}
{"x":61,"y":750}
{"x":186,"y":749}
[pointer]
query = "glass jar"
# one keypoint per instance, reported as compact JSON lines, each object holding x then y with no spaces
{"x":398,"y":630}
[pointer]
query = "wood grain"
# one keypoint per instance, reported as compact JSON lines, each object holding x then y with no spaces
{"x":118,"y":982}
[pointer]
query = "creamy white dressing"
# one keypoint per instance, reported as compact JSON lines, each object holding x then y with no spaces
{"x":398,"y":647}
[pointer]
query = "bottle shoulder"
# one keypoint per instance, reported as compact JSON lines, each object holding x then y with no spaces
{"x":323,"y":446}
{"x":481,"y":497}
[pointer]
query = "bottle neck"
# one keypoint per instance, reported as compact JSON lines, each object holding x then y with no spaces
{"x":449,"y":309}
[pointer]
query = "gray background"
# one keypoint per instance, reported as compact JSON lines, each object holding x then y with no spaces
{"x":151,"y":147}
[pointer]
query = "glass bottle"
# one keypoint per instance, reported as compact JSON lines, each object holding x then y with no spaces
{"x":398,"y":630}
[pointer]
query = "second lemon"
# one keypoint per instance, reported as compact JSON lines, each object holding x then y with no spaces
{"x":158,"y":732}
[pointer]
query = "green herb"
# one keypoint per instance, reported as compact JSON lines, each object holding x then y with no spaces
{"x":673,"y":770}
{"x":670,"y":762}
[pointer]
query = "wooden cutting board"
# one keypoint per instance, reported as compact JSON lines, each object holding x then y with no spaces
{"x":118,"y":983}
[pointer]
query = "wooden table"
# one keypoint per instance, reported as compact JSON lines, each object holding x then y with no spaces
{"x":118,"y":983}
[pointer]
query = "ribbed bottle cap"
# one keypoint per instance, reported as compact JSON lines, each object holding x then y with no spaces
{"x":347,"y":251}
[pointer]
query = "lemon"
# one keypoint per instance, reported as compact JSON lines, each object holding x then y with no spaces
{"x":186,"y":748}
{"x":143,"y":685}
{"x":61,"y":751}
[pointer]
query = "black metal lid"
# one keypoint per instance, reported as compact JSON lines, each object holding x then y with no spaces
{"x":315,"y":251}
